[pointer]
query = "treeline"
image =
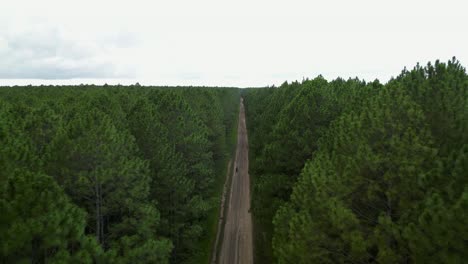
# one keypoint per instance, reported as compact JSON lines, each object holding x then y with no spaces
{"x":111,"y":174}
{"x":354,"y":172}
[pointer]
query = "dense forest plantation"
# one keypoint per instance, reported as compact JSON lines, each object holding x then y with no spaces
{"x":349,"y":171}
{"x":342,"y":171}
{"x":112,"y":174}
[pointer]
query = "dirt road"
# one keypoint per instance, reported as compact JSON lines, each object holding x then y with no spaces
{"x":236,"y":245}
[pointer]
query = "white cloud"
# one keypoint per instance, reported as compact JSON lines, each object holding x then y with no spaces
{"x":235,"y":43}
{"x":48,"y":51}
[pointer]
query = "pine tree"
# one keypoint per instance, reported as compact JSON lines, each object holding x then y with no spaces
{"x":366,"y":185}
{"x":39,"y":224}
{"x":97,"y":166}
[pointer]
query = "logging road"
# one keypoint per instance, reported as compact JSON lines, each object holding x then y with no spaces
{"x":237,"y":245}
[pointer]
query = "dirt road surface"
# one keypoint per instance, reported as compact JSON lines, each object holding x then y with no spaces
{"x":237,"y":244}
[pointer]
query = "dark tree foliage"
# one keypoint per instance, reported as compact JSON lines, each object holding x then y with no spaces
{"x":110,"y":174}
{"x":284,"y":124}
{"x":342,"y":172}
{"x":39,"y":224}
{"x":355,"y":172}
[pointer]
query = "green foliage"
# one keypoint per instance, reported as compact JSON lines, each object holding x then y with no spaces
{"x":384,"y":169}
{"x":133,"y":170}
{"x":39,"y":223}
{"x":342,"y":171}
{"x":15,"y":150}
{"x":284,"y":125}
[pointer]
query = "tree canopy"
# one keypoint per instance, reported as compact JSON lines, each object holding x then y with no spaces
{"x":111,"y":174}
{"x":349,"y":171}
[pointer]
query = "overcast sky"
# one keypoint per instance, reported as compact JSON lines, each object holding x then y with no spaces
{"x":224,"y":43}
